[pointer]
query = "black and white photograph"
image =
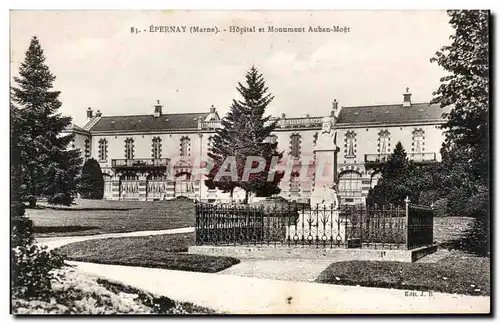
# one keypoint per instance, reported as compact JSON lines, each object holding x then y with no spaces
{"x":248,"y":162}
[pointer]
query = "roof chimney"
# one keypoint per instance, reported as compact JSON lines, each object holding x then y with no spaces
{"x":98,"y":113}
{"x":212,"y":109}
{"x":89,"y":113}
{"x":158,"y":108}
{"x":407,"y":98}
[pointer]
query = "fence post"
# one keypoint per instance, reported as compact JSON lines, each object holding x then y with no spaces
{"x":407,"y":203}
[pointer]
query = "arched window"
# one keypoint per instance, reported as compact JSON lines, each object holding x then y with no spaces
{"x":184,"y":146}
{"x":350,"y":184}
{"x":295,"y":145}
{"x":156,"y":148}
{"x":129,"y":148}
{"x":103,"y":149}
{"x":350,"y":144}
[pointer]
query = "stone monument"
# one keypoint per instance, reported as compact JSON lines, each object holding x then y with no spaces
{"x":322,"y":223}
{"x":325,"y":159}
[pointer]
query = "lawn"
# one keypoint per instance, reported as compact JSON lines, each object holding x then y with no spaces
{"x":157,"y":251}
{"x":89,"y":217}
{"x":457,"y":273}
{"x":447,"y":229}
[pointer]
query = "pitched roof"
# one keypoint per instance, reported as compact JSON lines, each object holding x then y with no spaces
{"x":148,"y":122}
{"x":75,"y":128}
{"x":391,"y":114}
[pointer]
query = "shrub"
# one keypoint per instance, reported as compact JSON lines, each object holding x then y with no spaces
{"x":92,"y":181}
{"x":60,"y":199}
{"x":34,"y":269}
{"x":427,"y":197}
{"x":31,"y":200}
{"x":22,"y":231}
{"x":440,"y":208}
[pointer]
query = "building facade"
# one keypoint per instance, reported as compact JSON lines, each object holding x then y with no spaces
{"x":151,"y":157}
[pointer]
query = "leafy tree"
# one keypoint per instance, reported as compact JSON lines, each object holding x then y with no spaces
{"x":244,"y":132}
{"x":92,"y":181}
{"x":48,"y":168}
{"x":465,"y":89}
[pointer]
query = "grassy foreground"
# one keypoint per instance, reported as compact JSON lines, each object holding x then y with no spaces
{"x":457,"y":274}
{"x":79,"y":294}
{"x":89,"y":217}
{"x":158,"y":251}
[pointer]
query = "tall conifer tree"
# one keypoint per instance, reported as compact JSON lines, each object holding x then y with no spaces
{"x":244,"y":133}
{"x":393,"y":186}
{"x":48,"y":168}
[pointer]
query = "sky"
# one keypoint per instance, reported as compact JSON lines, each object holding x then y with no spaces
{"x":99,"y":63}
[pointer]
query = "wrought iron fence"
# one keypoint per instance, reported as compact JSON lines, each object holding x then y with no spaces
{"x":389,"y":227}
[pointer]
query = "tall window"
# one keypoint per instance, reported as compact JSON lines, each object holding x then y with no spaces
{"x":418,"y":141}
{"x":295,"y":145}
{"x":156,"y":148}
{"x":129,"y":148}
{"x":350,"y":144}
{"x":103,"y":149}
{"x":184,"y":146}
{"x":294,"y":183}
{"x":384,"y":142}
{"x":350,"y":184}
{"x":87,"y":148}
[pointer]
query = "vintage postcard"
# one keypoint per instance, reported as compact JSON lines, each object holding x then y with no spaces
{"x":250,"y":162}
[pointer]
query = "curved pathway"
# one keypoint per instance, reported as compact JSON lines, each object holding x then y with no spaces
{"x":55,"y":242}
{"x":229,"y":293}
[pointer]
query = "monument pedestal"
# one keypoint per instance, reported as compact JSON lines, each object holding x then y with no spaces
{"x":321,"y":224}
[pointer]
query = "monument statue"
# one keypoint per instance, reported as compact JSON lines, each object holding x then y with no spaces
{"x":327,"y":125}
{"x":325,"y":140}
{"x":325,"y":150}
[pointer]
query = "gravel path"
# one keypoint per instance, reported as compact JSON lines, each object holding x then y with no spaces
{"x":55,"y":242}
{"x":241,"y":295}
{"x":289,"y":269}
